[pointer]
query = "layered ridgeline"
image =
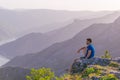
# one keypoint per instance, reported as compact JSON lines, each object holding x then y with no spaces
{"x":60,"y":55}
{"x":36,"y":42}
{"x":27,"y":44}
{"x":21,"y":22}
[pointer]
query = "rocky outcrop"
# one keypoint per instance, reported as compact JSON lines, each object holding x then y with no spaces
{"x":96,"y":61}
{"x":106,"y":66}
{"x":79,"y":66}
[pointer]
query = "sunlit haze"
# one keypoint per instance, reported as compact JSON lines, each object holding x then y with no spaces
{"x":94,"y":5}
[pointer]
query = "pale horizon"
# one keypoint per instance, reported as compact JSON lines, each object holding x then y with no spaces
{"x":71,"y":5}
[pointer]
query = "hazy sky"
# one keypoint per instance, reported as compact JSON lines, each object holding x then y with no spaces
{"x":62,"y":4}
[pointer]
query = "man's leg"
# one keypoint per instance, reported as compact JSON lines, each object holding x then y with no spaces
{"x":70,"y":70}
{"x":81,"y":58}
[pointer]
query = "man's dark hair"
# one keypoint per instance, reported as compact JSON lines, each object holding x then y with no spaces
{"x":89,"y":39}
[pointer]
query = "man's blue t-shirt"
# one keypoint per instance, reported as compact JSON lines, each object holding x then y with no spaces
{"x":90,"y":47}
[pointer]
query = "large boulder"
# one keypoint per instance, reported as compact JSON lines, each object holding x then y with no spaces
{"x":106,"y":66}
{"x":81,"y":65}
{"x":96,"y":61}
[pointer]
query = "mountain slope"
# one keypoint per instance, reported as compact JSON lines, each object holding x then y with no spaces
{"x":16,"y":73}
{"x":60,"y":55}
{"x":27,"y":44}
{"x":72,"y":29}
{"x":36,"y":42}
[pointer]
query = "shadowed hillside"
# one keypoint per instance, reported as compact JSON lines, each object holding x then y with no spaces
{"x":10,"y":73}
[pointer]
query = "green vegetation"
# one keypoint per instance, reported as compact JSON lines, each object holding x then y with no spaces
{"x":41,"y":74}
{"x":109,"y":77}
{"x":100,"y":72}
{"x":106,"y":55}
{"x":114,"y":64}
{"x":70,"y":77}
{"x":90,"y":72}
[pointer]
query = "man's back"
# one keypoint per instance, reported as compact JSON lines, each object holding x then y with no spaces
{"x":92,"y":49}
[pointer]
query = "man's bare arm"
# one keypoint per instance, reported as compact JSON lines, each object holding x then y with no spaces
{"x":80,"y":49}
{"x":89,"y":53}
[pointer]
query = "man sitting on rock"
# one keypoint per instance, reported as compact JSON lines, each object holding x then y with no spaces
{"x":88,"y":51}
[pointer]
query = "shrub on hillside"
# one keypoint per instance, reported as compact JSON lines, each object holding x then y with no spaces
{"x":41,"y":74}
{"x":108,"y":77}
{"x":106,"y":55}
{"x":114,"y":64}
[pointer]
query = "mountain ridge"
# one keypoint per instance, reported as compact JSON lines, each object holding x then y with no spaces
{"x":63,"y":53}
{"x":36,"y":42}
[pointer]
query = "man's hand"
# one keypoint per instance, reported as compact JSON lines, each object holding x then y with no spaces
{"x":78,"y":51}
